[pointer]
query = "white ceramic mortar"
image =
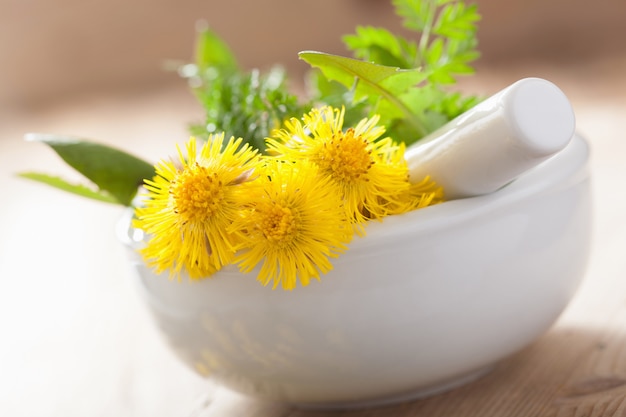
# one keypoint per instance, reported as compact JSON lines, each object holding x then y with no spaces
{"x":426,"y":301}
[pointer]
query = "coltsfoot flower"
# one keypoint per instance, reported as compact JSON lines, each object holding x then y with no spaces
{"x":370,"y":172}
{"x":190,"y":206}
{"x":295,"y":222}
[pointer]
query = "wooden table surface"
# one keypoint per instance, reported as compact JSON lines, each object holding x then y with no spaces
{"x":76,"y":340}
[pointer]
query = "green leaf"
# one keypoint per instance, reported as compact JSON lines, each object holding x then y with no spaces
{"x":246,"y":105}
{"x":243,"y":104}
{"x":336,"y":95}
{"x":212,"y":51}
{"x":435,"y":52}
{"x":422,"y":103}
{"x":113,"y":171}
{"x":444,"y":49}
{"x":457,"y":21}
{"x":61,"y":184}
{"x":371,"y":80}
{"x":416,"y":13}
{"x":380,"y":46}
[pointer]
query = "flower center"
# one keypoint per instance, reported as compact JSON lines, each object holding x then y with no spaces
{"x":197,"y":193}
{"x":345,"y":156}
{"x":278,"y":224}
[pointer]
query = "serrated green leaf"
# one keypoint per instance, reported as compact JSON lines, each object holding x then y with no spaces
{"x":456,"y":21}
{"x":111,"y":170}
{"x":441,"y":77}
{"x":416,"y":13}
{"x":380,"y":46}
{"x":61,"y":184}
{"x":467,"y":56}
{"x":435,"y":52}
{"x":459,"y":68}
{"x":336,"y":95}
{"x":455,"y":104}
{"x":372,"y":80}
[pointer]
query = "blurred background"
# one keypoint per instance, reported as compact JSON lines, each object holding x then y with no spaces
{"x":75,"y":338}
{"x":52,"y":51}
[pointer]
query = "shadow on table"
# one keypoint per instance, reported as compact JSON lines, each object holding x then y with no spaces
{"x":563,"y":373}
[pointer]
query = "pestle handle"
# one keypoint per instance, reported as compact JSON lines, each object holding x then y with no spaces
{"x":493,"y":143}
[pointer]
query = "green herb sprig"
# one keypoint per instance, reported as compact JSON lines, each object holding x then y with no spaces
{"x":405,"y":81}
{"x":246,"y":104}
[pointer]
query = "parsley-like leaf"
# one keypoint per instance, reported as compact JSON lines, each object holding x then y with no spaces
{"x":443,"y":50}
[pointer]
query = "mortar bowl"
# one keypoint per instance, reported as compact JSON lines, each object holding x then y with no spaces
{"x":425,"y":302}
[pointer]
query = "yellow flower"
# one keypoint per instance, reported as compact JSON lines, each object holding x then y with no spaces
{"x":371,"y":173}
{"x":295,"y":223}
{"x":420,"y":194}
{"x":190,"y":206}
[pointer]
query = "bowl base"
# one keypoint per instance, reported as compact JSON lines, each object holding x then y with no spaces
{"x":402,"y":398}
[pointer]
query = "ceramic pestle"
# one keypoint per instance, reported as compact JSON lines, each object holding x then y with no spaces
{"x":493,"y":143}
